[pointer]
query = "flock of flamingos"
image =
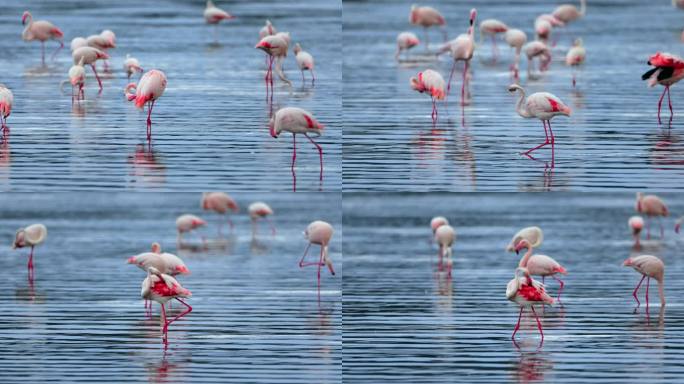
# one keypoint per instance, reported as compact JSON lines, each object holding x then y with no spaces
{"x":160,"y":285}
{"x":527,"y":292}
{"x":667,"y":68}
{"x":88,"y":51}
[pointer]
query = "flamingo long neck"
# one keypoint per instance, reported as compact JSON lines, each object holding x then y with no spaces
{"x":520,"y":108}
{"x":27,"y":28}
{"x":583,"y":7}
{"x":526,"y":258}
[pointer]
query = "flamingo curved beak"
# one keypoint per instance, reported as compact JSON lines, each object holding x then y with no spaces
{"x":627,"y":263}
{"x":131,"y":260}
{"x":23,"y":18}
{"x":183,"y":270}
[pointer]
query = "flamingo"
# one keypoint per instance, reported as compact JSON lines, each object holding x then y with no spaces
{"x":462,"y":49}
{"x":678,"y":224}
{"x":515,"y":39}
{"x":296,"y":120}
{"x":42,"y":31}
{"x":575,"y":57}
{"x":90,"y":55}
{"x":651,"y":206}
{"x":103,"y":43}
{"x":542,"y":28}
{"x":276,"y":48}
{"x":437,"y":222}
{"x":527,"y":292}
{"x":131,"y":65}
{"x":30,"y":236}
{"x":221,"y":203}
{"x":492,"y":27}
{"x":568,"y":13}
{"x":260,"y":210}
{"x":305,"y":62}
{"x":77,"y":76}
{"x":533,"y":235}
{"x":214,"y":15}
{"x":318,"y":232}
{"x":267,"y":30}
{"x":433,"y":83}
{"x":537,"y":49}
{"x":445,"y":235}
{"x":405,"y":41}
{"x":636,"y":224}
{"x":427,"y":17}
{"x":6,"y":101}
{"x":543,"y":106}
{"x":150,"y":88}
{"x":540,"y":265}
{"x":161,"y":288}
{"x":650,"y":267}
{"x":78,"y":42}
{"x":187,"y":223}
{"x":678,"y":4}
{"x":669,"y":69}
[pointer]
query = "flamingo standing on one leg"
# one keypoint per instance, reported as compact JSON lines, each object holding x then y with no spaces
{"x":260,"y":210}
{"x":297,"y":120}
{"x":540,"y":265}
{"x":186,"y":223}
{"x":6,"y":101}
{"x":516,"y":39}
{"x":161,"y":288}
{"x":319,"y":233}
{"x":214,"y":15}
{"x":668,"y":70}
{"x":432,"y":83}
{"x":636,"y":224}
{"x":575,"y":57}
{"x":533,"y":235}
{"x":305,"y":62}
{"x":445,"y":235}
{"x":650,"y":267}
{"x":527,"y":292}
{"x":77,"y":76}
{"x":492,"y":27}
{"x":537,"y":49}
{"x":30,"y":236}
{"x":543,"y":106}
{"x":651,"y":206}
{"x":131,"y":65}
{"x":42,"y":31}
{"x":90,"y":55}
{"x":150,"y":87}
{"x":462,"y":49}
{"x":405,"y":41}
{"x":221,"y":203}
{"x":427,"y":17}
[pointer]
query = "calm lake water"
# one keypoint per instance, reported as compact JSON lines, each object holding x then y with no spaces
{"x":612,"y":140}
{"x":404,"y":322}
{"x":210,"y":126}
{"x":255,"y":318}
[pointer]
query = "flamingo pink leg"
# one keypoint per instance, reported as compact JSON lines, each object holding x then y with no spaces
{"x":553,"y":145}
{"x":180,"y":315}
{"x":441,"y":255}
{"x":546,"y":133}
{"x":463,"y":85}
{"x":164,"y":328}
{"x":517,"y":326}
{"x":538,"y":324}
{"x":560,"y":289}
{"x":294,"y":151}
{"x":669,"y":102}
{"x":648,"y":281}
{"x":61,"y":45}
{"x":320,"y":263}
{"x":434,"y":111}
{"x":30,"y":264}
{"x":637,"y":290}
{"x":320,"y":154}
{"x":42,"y":50}
{"x":99,"y":82}
{"x":660,"y":102}
{"x":150,"y":105}
{"x":313,"y":78}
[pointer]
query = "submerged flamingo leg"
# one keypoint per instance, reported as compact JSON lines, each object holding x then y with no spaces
{"x":463,"y":85}
{"x":30,"y":264}
{"x":517,"y":326}
{"x":553,"y":145}
{"x":648,"y":281}
{"x":434,"y":111}
{"x":294,"y":152}
{"x":637,"y":289}
{"x":546,"y":142}
{"x":320,"y":264}
{"x":451,"y":75}
{"x":669,"y":102}
{"x":660,"y":102}
{"x":320,"y":154}
{"x":538,"y":324}
{"x":164,"y":328}
{"x":99,"y":82}
{"x":42,"y":50}
{"x":560,"y":289}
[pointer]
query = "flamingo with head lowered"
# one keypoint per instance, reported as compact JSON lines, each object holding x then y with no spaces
{"x":42,"y":31}
{"x":669,"y":69}
{"x":427,"y":17}
{"x":6,"y":101}
{"x":297,"y":121}
{"x":319,"y":233}
{"x":30,"y":236}
{"x":432,"y":83}
{"x":150,"y":88}
{"x":77,"y":76}
{"x":540,"y":265}
{"x":649,"y":267}
{"x":89,"y":55}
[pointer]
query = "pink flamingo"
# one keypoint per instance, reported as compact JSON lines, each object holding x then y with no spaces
{"x":427,"y":17}
{"x":651,"y":206}
{"x":214,"y":15}
{"x":462,"y":49}
{"x":161,"y":288}
{"x":575,"y":57}
{"x":433,"y":83}
{"x":103,"y":43}
{"x":305,"y":62}
{"x":540,"y":265}
{"x":90,"y":55}
{"x":568,"y":13}
{"x":527,"y":292}
{"x":260,"y":210}
{"x":131,"y":65}
{"x":636,"y":224}
{"x":267,"y":30}
{"x":150,"y":87}
{"x":276,"y":48}
{"x":445,"y":235}
{"x":77,"y":76}
{"x":533,"y":235}
{"x":492,"y":27}
{"x":221,"y":203}
{"x":186,"y":223}
{"x":650,"y":267}
{"x":537,"y":49}
{"x":515,"y":39}
{"x":437,"y":222}
{"x":30,"y":236}
{"x":669,"y":69}
{"x":543,"y":106}
{"x":297,"y":120}
{"x":405,"y":41}
{"x":319,"y":233}
{"x":6,"y":101}
{"x":42,"y":31}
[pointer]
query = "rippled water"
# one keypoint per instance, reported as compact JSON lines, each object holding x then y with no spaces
{"x":611,"y":141}
{"x":404,"y":322}
{"x":209,"y":127}
{"x":255,"y":314}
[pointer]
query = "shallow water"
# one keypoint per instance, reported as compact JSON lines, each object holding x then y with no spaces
{"x":255,"y":314}
{"x":612,"y":140}
{"x":405,"y":322}
{"x":210,"y":126}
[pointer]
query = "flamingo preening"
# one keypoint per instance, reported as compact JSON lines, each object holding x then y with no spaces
{"x":6,"y":101}
{"x":537,"y":49}
{"x":527,"y":292}
{"x":150,"y":88}
{"x":432,"y":83}
{"x":669,"y":69}
{"x":405,"y":41}
{"x":42,"y":31}
{"x":437,"y":222}
{"x":540,"y":265}
{"x":161,"y":288}
{"x":131,"y":65}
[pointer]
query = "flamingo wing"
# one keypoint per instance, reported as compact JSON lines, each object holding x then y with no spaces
{"x":666,"y":60}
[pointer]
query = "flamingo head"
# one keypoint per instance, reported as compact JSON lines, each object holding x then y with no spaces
{"x":19,"y":239}
{"x":25,"y":16}
{"x":198,"y":223}
{"x":297,"y":48}
{"x":264,"y":46}
{"x":578,"y":42}
{"x":182,"y":269}
{"x":156,"y":247}
{"x":473,"y":15}
{"x":132,"y":260}
{"x":102,"y":55}
{"x":514,"y":87}
{"x":636,"y":223}
{"x":522,"y":244}
{"x":275,"y":131}
{"x":628,"y":263}
{"x":77,"y":80}
{"x":417,"y":85}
